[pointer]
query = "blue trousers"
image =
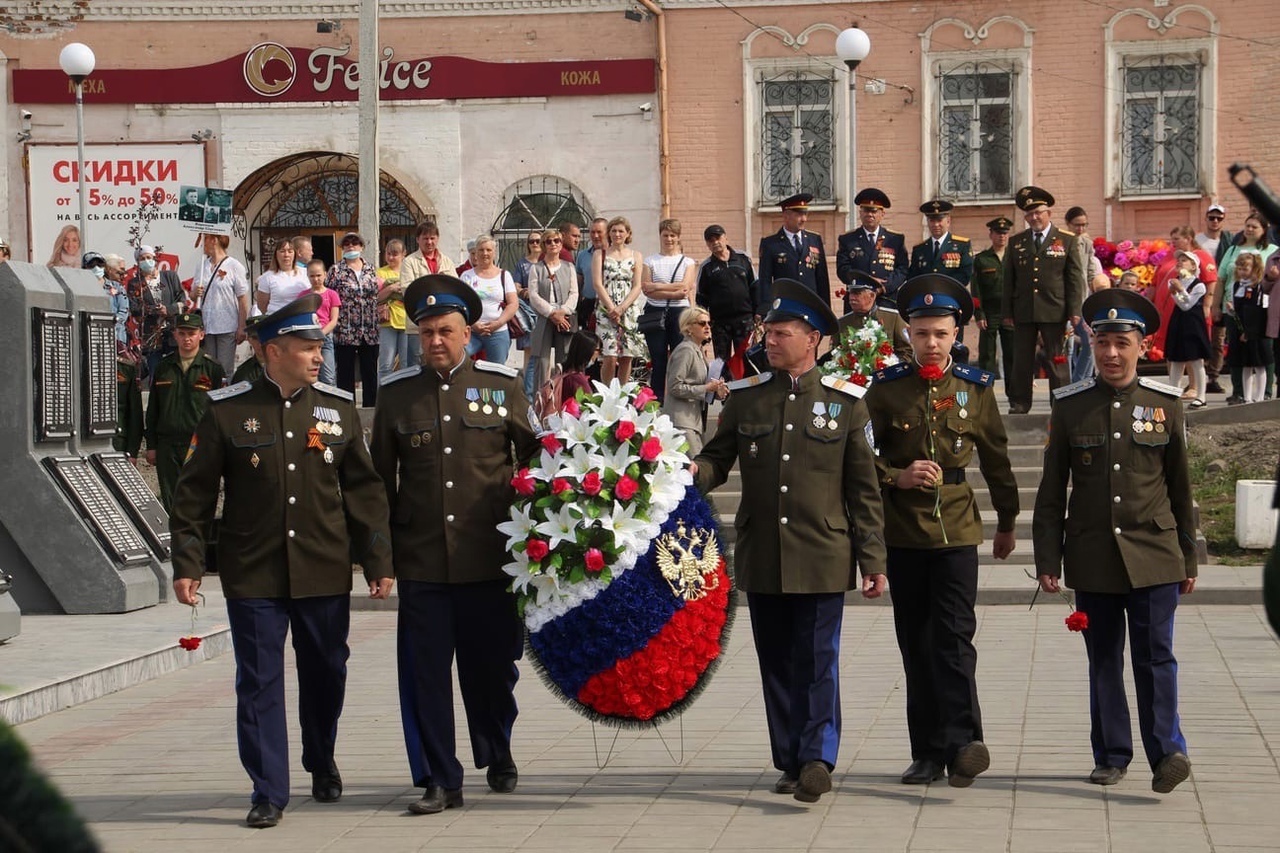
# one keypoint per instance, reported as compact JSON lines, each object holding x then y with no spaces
{"x":478,"y":622}
{"x":934,"y":592}
{"x":1149,"y":612}
{"x":258,"y":628}
{"x":797,"y":641}
{"x":661,"y":342}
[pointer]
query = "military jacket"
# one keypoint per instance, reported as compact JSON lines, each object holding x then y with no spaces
{"x":987,"y":286}
{"x":1128,"y":521}
{"x":779,"y":259}
{"x":947,"y":421}
{"x":128,"y":437}
{"x":885,"y":258}
{"x":445,"y":451}
{"x":809,"y":518}
{"x":303,"y":501}
{"x":954,"y":260}
{"x":178,"y":400}
{"x":895,"y":328}
{"x":250,"y":371}
{"x":1047,"y":286}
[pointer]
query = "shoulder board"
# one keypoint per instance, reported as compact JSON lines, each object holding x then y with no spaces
{"x":1076,"y":387}
{"x":956,"y":239}
{"x":844,"y":386}
{"x":891,"y":231}
{"x":494,"y":367}
{"x":401,"y":374}
{"x":750,"y":381}
{"x":230,"y":391}
{"x":887,"y":310}
{"x":334,"y":392}
{"x":894,"y":371}
{"x":1160,"y":387}
{"x":976,"y":375}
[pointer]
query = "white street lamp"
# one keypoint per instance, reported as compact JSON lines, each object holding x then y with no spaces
{"x":77,"y":61}
{"x":852,"y":46}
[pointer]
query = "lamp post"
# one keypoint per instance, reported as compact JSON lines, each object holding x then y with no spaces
{"x":852,"y":46}
{"x":77,"y":61}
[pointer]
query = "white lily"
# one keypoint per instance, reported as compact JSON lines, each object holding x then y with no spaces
{"x":618,"y":460}
{"x":547,"y":465}
{"x":560,"y":526}
{"x":575,"y":431}
{"x":520,"y":525}
{"x":615,"y":401}
{"x":579,"y":463}
{"x":624,"y":525}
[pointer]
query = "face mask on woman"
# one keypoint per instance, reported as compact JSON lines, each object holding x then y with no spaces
{"x":100,"y":272}
{"x":147,"y":265}
{"x":350,"y":255}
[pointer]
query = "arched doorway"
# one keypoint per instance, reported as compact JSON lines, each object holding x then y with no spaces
{"x":316,"y":194}
{"x":532,"y":204}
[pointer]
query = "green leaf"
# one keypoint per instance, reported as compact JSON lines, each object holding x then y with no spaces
{"x":556,"y":561}
{"x":577,"y":574}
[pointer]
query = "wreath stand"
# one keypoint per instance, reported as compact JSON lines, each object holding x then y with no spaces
{"x":657,"y":729}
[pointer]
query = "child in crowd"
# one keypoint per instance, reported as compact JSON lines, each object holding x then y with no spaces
{"x":1187,"y":342}
{"x":327,"y":316}
{"x":1249,"y":348}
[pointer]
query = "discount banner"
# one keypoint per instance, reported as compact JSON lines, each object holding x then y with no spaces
{"x":133,"y":197}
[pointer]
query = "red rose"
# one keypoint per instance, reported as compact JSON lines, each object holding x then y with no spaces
{"x":1077,"y":621}
{"x":591,"y":483}
{"x":624,"y":430}
{"x":626,"y":488}
{"x":536,"y":549}
{"x":650,"y":449}
{"x":931,"y":372}
{"x":594,"y":560}
{"x":523,"y":483}
{"x":886,"y":348}
{"x":560,"y":485}
{"x":189,"y":643}
{"x":644,"y":397}
{"x":551,"y":443}
{"x":571,"y":407}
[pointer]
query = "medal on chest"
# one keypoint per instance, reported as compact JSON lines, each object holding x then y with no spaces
{"x":819,"y":415}
{"x":500,"y":397}
{"x":473,"y":400}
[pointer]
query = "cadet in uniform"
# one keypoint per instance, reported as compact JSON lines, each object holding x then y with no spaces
{"x":1043,"y":288}
{"x":179,"y":396}
{"x":794,"y":253}
{"x":251,"y":370}
{"x":862,"y":298}
{"x":926,"y":432}
{"x":1128,"y":545}
{"x":303,"y":502}
{"x":446,"y":431}
{"x":128,"y":437}
{"x":808,"y":522}
{"x":872,"y":249}
{"x":987,"y":286}
{"x":943,"y":252}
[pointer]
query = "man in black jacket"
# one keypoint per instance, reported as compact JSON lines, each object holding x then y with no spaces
{"x":727,"y":289}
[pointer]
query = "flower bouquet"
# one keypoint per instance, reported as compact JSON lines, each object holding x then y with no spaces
{"x":617,"y":563}
{"x":859,"y":353}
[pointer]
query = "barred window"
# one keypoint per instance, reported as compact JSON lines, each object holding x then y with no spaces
{"x":976,"y":103}
{"x":534,"y":204}
{"x":1160,"y":125}
{"x":797,"y":136}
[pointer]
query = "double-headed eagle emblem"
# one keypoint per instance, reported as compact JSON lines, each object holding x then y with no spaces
{"x":689,"y":561}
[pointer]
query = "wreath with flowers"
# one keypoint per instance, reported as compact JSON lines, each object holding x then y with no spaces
{"x":859,"y":353}
{"x":616,"y":560}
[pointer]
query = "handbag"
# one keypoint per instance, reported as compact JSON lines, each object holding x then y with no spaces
{"x":652,"y":320}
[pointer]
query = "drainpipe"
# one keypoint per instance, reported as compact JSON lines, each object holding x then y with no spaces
{"x":664,"y":141}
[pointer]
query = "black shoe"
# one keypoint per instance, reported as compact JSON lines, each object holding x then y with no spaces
{"x":786,"y":784}
{"x":503,"y":776}
{"x":264,"y":816}
{"x":813,"y":782}
{"x":922,"y":771}
{"x":1019,"y":410}
{"x":1104,"y":775}
{"x":1235,"y":400}
{"x":436,"y":799}
{"x":1214,"y":388}
{"x":1172,"y":771}
{"x":971,"y":760}
{"x":326,"y":786}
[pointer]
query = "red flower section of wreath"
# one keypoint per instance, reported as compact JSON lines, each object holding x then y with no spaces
{"x":930,"y":372}
{"x":1077,"y":621}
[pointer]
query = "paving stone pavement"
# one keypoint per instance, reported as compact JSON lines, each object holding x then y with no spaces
{"x":154,"y":767}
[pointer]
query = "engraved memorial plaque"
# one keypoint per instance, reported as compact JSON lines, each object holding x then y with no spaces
{"x":137,"y":499}
{"x":96,"y":505}
{"x":51,"y":360}
{"x":98,"y":376}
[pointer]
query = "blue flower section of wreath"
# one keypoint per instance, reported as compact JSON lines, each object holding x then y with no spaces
{"x":622,"y":619}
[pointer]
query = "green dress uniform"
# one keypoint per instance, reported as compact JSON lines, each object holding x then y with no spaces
{"x":128,"y":437}
{"x":988,"y":286}
{"x":177,"y":401}
{"x":251,"y":371}
{"x":933,"y":534}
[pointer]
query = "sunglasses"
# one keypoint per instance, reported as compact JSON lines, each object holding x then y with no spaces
{"x":1214,"y":218}
{"x":702,"y":322}
{"x":555,"y":241}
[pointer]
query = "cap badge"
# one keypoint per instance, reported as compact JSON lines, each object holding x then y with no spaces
{"x":777,"y":303}
{"x":1112,"y":314}
{"x":431,"y":300}
{"x":928,"y":299}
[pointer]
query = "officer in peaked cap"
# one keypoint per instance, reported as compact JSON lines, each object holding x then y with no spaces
{"x":809,"y":521}
{"x":862,"y":298}
{"x":943,"y":252}
{"x":303,"y":502}
{"x":987,"y":287}
{"x":794,"y":253}
{"x":251,"y":369}
{"x":1125,"y":535}
{"x":444,"y":435}
{"x":873,"y":249}
{"x":928,"y":418}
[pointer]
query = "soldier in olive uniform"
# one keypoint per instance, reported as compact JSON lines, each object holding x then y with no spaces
{"x":128,"y":437}
{"x":303,"y":502}
{"x":1043,"y":287}
{"x":873,"y":249}
{"x":862,"y":296}
{"x":987,"y":286}
{"x":808,"y":523}
{"x":444,"y":437}
{"x":928,"y":419}
{"x":179,"y":395}
{"x":794,"y":253}
{"x":251,"y":370}
{"x":1126,"y":535}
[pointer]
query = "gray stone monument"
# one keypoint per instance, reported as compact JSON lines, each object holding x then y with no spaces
{"x":79,"y":530}
{"x":10,"y":615}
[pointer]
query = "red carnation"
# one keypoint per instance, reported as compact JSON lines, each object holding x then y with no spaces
{"x":536,"y":549}
{"x":1059,"y":359}
{"x":523,"y":483}
{"x":886,"y":348}
{"x":591,"y":483}
{"x":1077,"y":621}
{"x":626,"y":488}
{"x":551,"y":443}
{"x":594,"y":560}
{"x":571,"y":407}
{"x":624,"y":430}
{"x":644,"y":397}
{"x":840,"y":293}
{"x":879,"y":364}
{"x":189,"y":643}
{"x":931,"y":372}
{"x":858,"y":379}
{"x":560,"y":485}
{"x":650,"y":449}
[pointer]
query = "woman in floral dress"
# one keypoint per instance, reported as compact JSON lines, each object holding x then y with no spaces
{"x":618,"y":303}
